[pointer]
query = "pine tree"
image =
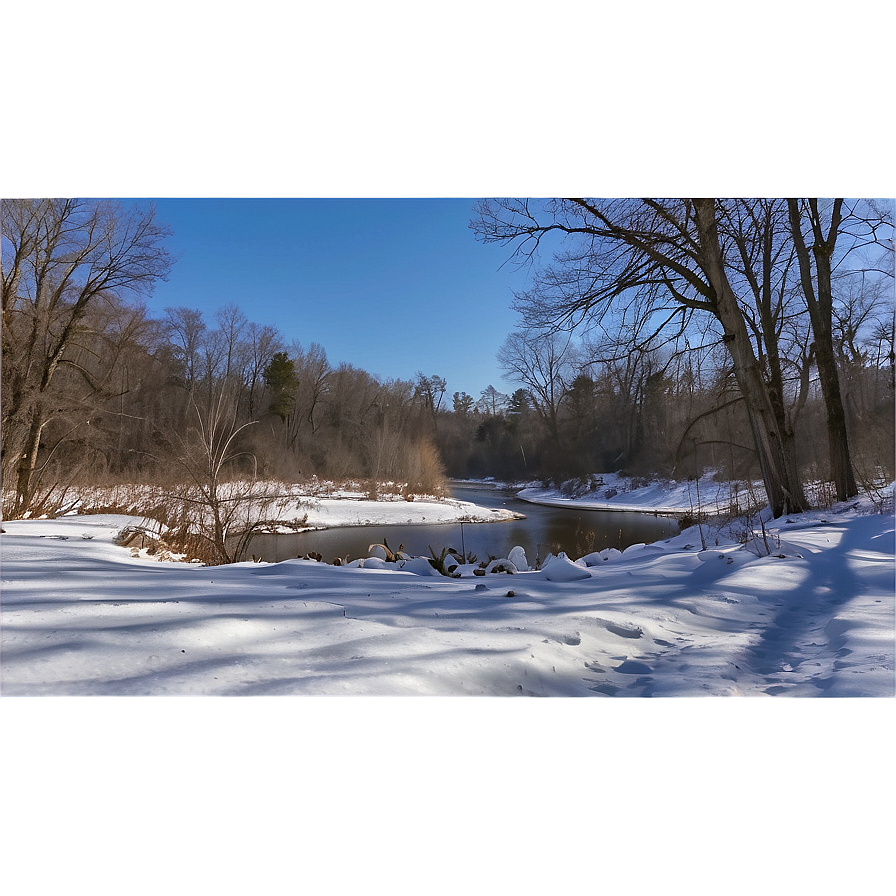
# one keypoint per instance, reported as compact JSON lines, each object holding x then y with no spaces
{"x":280,"y":378}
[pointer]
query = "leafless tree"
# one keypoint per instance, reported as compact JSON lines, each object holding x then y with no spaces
{"x":60,"y":256}
{"x":541,"y":362}
{"x":825,"y":233}
{"x":312,"y":371}
{"x":231,"y":326}
{"x":763,"y":272}
{"x":817,"y":289}
{"x":669,"y":254}
{"x":186,"y":330}
{"x":262,"y":343}
{"x":221,"y":501}
{"x":492,"y":402}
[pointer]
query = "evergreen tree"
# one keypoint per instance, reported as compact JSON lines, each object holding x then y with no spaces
{"x":280,"y":378}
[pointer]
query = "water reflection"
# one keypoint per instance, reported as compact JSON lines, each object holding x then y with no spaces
{"x":544,"y":530}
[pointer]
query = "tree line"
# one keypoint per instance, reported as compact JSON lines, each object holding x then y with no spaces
{"x":98,"y":390}
{"x":664,"y":336}
{"x":786,"y":297}
{"x":656,"y":412}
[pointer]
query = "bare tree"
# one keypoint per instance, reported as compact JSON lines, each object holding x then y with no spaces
{"x":540,"y":361}
{"x":492,"y":402}
{"x":262,"y":343}
{"x":670,"y":254}
{"x":231,"y":325}
{"x":624,"y":382}
{"x":223,"y":503}
{"x":779,"y":470}
{"x":761,"y":269}
{"x":59,"y":257}
{"x":859,"y":308}
{"x":816,"y":229}
{"x":312,"y":370}
{"x":186,"y":330}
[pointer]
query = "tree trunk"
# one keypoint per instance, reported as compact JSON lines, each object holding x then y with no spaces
{"x":28,"y":462}
{"x":838,"y":442}
{"x":820,"y":305}
{"x":779,"y":474}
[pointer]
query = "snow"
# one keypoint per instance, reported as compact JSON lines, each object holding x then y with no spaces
{"x":612,"y":491}
{"x":319,"y":504}
{"x":517,"y":556}
{"x":350,"y":509}
{"x":562,"y":569}
{"x":83,"y":615}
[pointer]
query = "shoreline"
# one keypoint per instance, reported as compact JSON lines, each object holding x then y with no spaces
{"x":598,"y":506}
{"x":396,"y":523}
{"x":339,"y":513}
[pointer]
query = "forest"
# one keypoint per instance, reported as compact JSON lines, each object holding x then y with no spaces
{"x":664,"y":338}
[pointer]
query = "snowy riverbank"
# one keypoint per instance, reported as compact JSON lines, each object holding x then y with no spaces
{"x":347,"y":508}
{"x":82,"y":615}
{"x":312,"y":505}
{"x":610,"y":491}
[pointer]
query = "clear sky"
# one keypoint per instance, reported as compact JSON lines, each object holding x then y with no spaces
{"x":394,"y":286}
{"x":325,"y":154}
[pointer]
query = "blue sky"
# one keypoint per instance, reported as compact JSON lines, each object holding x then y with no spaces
{"x":318,"y":162}
{"x":394,"y":286}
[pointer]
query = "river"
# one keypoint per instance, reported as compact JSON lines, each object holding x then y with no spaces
{"x":544,"y":529}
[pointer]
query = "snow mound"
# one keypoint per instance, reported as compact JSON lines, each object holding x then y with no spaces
{"x":623,"y":629}
{"x":562,"y":569}
{"x":598,"y":557}
{"x":501,"y":566}
{"x":420,"y":566}
{"x":451,"y":563}
{"x":517,"y":557}
{"x":647,"y":550}
{"x":376,"y":563}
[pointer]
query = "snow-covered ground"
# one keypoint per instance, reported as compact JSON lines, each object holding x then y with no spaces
{"x":320,"y":504}
{"x":610,"y":491}
{"x":354,"y":509}
{"x":82,"y":615}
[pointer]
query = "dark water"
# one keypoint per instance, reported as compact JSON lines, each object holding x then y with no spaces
{"x":544,"y":530}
